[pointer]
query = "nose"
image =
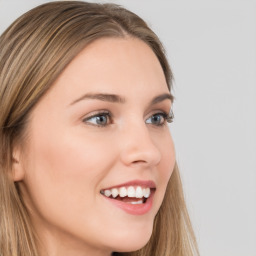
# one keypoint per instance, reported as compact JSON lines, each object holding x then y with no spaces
{"x":138,"y":147}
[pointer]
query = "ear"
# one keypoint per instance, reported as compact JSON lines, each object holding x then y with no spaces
{"x":17,"y":167}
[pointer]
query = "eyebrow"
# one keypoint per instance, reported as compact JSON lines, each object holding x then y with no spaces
{"x":101,"y":96}
{"x":113,"y":98}
{"x":162,"y":97}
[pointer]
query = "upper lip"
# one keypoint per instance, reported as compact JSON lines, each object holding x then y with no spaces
{"x":142,"y":183}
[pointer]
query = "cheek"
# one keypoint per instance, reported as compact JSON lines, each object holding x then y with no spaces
{"x":168,"y":160}
{"x":67,"y":158}
{"x":63,"y":174}
{"x":166,"y":146}
{"x":65,"y":169}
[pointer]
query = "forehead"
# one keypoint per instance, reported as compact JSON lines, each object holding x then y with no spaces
{"x":124,"y":66}
{"x":119,"y":60}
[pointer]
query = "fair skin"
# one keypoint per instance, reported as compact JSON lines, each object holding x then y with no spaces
{"x":70,"y":157}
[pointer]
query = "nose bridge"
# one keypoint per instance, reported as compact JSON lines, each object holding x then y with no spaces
{"x":137,"y":145}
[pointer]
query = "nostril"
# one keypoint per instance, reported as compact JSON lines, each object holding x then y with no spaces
{"x":139,"y":161}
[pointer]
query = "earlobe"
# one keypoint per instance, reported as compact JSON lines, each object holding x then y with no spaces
{"x":17,"y":168}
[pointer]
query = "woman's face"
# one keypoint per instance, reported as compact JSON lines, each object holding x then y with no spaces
{"x":100,"y":129}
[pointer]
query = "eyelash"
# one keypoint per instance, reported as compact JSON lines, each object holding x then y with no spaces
{"x":99,"y":114}
{"x":168,"y":117}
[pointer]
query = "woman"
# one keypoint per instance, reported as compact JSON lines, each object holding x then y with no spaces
{"x":87,"y":160}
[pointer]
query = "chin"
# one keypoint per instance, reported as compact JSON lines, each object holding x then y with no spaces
{"x":132,"y":241}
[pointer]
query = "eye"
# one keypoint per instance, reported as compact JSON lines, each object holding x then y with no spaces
{"x":160,"y":119}
{"x":100,"y":119}
{"x":157,"y":119}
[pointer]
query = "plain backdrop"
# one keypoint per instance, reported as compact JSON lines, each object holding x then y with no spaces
{"x":211,"y":46}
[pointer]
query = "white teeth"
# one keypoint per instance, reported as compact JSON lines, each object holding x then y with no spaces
{"x":138,"y":202}
{"x":123,"y":192}
{"x":131,"y":192}
{"x":146,"y":192}
{"x":139,"y":193}
{"x":114,"y":192}
{"x":107,"y":193}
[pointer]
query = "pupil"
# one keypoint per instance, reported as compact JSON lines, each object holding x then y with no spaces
{"x":156,"y":119}
{"x":101,"y":120}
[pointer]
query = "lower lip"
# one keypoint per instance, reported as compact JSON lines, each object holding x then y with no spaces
{"x":134,"y":209}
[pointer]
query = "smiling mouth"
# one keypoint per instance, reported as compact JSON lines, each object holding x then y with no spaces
{"x":129,"y":195}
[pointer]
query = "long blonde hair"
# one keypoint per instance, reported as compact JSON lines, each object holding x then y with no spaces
{"x":34,"y":50}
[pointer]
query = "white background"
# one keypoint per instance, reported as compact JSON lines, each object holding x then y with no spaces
{"x":211,"y":47}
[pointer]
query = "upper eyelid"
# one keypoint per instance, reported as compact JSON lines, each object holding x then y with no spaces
{"x":167,"y":113}
{"x":106,"y":112}
{"x":169,"y":116}
{"x":86,"y":120}
{"x":110,"y":116}
{"x":97,"y":113}
{"x":163,"y":113}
